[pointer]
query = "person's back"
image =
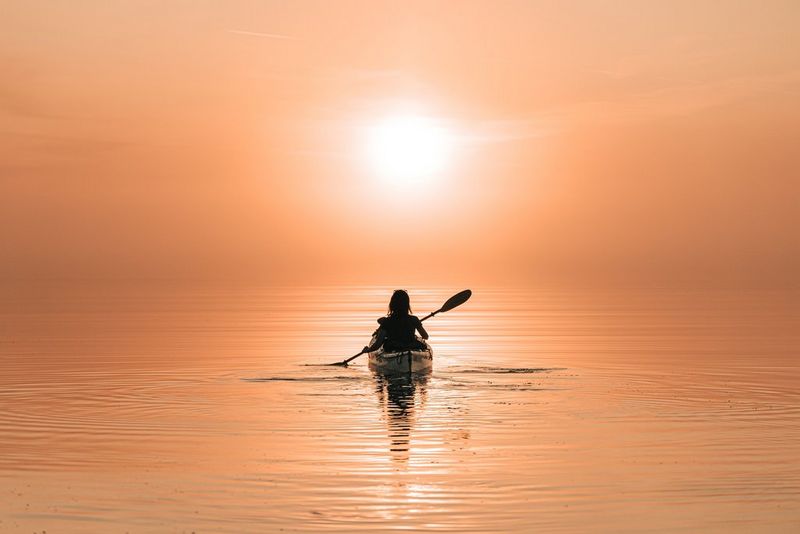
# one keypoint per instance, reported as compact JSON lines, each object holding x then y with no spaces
{"x":397,"y":330}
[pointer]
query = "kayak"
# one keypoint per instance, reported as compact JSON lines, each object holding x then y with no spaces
{"x":401,"y":361}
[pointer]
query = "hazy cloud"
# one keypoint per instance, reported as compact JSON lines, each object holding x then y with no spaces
{"x":261,"y":34}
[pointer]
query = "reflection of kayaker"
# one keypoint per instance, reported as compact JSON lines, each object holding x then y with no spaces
{"x":401,"y":396}
{"x":397,"y":330}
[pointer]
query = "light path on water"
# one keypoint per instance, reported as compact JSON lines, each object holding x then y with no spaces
{"x":185,"y":409}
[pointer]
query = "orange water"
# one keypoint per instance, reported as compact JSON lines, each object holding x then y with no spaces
{"x":180,"y":410}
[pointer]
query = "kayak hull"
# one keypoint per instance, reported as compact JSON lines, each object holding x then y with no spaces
{"x":404,"y":361}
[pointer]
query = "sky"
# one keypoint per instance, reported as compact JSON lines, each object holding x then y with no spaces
{"x":593,"y":142}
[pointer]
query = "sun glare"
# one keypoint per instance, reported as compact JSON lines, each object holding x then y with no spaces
{"x":408,"y":148}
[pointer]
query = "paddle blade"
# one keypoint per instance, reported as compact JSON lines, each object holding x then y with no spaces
{"x":456,"y":300}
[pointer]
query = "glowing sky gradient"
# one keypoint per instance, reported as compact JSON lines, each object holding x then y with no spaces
{"x":645,"y":141}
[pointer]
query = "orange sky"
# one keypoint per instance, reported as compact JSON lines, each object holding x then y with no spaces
{"x":644,"y":141}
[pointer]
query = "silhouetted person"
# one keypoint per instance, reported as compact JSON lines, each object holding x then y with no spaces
{"x":397,"y":330}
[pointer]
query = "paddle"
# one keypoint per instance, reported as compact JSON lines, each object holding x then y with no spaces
{"x":456,"y":300}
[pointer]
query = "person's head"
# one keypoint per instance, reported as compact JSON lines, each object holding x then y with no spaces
{"x":399,"y":304}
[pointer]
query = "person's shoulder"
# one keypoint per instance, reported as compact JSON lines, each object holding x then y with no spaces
{"x":415,"y":319}
{"x":382,"y":320}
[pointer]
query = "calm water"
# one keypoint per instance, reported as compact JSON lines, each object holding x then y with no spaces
{"x":183,"y":410}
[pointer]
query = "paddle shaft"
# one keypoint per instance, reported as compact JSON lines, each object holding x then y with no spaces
{"x":351,"y":358}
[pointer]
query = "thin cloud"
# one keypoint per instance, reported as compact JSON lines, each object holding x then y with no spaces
{"x":261,"y":34}
{"x":503,"y":131}
{"x":683,"y":98}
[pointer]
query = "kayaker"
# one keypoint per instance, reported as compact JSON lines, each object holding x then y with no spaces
{"x":398,"y":328}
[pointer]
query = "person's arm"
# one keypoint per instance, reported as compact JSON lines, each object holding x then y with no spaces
{"x":421,"y":329}
{"x":379,"y":339}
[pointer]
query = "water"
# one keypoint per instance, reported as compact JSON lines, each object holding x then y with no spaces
{"x":192,"y":410}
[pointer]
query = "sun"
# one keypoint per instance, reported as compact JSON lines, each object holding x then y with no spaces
{"x":408,"y":148}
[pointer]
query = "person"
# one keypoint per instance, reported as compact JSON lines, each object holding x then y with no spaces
{"x":398,"y":328}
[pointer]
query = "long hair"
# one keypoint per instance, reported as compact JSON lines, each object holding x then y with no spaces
{"x":399,"y":304}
